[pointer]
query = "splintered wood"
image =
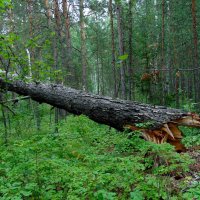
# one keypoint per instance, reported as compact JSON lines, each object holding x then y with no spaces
{"x":170,"y":131}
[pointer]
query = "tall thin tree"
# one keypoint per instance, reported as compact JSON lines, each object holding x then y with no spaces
{"x":196,"y":59}
{"x":83,"y":45}
{"x":113,"y":47}
{"x":163,"y":52}
{"x":70,"y":72}
{"x":121,"y":49}
{"x":131,"y":87}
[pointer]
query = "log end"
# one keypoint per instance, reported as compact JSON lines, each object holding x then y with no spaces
{"x":170,"y":132}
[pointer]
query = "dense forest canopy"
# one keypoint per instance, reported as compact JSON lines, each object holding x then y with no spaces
{"x":139,"y":50}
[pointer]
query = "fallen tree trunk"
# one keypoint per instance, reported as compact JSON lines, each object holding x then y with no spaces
{"x":157,"y":123}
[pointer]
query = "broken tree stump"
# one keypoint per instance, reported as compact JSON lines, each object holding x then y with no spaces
{"x":163,"y":123}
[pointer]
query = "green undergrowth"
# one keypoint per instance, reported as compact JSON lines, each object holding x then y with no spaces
{"x":85,"y":160}
{"x":191,"y":136}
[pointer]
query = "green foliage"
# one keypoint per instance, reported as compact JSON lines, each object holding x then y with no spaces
{"x":145,"y":124}
{"x":190,"y":105}
{"x":4,"y":4}
{"x":136,"y":195}
{"x":193,"y":192}
{"x":84,"y":161}
{"x":192,"y":136}
{"x":123,"y":57}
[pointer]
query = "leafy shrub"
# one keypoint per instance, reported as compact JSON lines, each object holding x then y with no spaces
{"x":86,"y":161}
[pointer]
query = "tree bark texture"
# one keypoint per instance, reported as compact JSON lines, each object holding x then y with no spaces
{"x":163,"y":53}
{"x":48,"y":12}
{"x":195,"y":41}
{"x":57,"y":17}
{"x":131,"y":86}
{"x":83,"y":46}
{"x":121,"y":50}
{"x":157,"y":123}
{"x":115,"y":113}
{"x":113,"y":47}
{"x":70,"y":73}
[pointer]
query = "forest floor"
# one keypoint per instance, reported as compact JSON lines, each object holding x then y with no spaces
{"x":194,"y":152}
{"x":85,"y":160}
{"x":194,"y":172}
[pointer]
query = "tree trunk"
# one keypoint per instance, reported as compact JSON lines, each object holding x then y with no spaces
{"x":57,"y":40}
{"x":83,"y":46}
{"x":113,"y":47}
{"x":195,"y":35}
{"x":163,"y":52}
{"x":177,"y":88}
{"x":121,"y":50}
{"x":31,"y":28}
{"x":157,"y":123}
{"x":195,"y":41}
{"x":69,"y":79}
{"x":31,"y":61}
{"x":57,"y":17}
{"x":130,"y":64}
{"x":67,"y":23}
{"x":48,"y":12}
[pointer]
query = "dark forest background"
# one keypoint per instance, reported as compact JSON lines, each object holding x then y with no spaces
{"x":139,"y":50}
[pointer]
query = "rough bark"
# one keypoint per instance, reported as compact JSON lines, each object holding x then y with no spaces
{"x":83,"y":46}
{"x":31,"y":26}
{"x":131,"y":86}
{"x":48,"y":12}
{"x":195,"y":41}
{"x":31,"y":57}
{"x":163,"y":53}
{"x":162,"y":122}
{"x":57,"y":17}
{"x":121,"y":50}
{"x":195,"y":34}
{"x":69,"y":79}
{"x":113,"y":47}
{"x":67,"y":25}
{"x":57,"y":40}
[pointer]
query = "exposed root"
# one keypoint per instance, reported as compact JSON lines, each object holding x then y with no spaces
{"x":192,"y":120}
{"x":170,"y":132}
{"x":175,"y":130}
{"x":167,"y":130}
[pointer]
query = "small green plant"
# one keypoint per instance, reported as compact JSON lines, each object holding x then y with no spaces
{"x":84,"y":161}
{"x":192,"y":137}
{"x":145,"y":124}
{"x":193,"y":192}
